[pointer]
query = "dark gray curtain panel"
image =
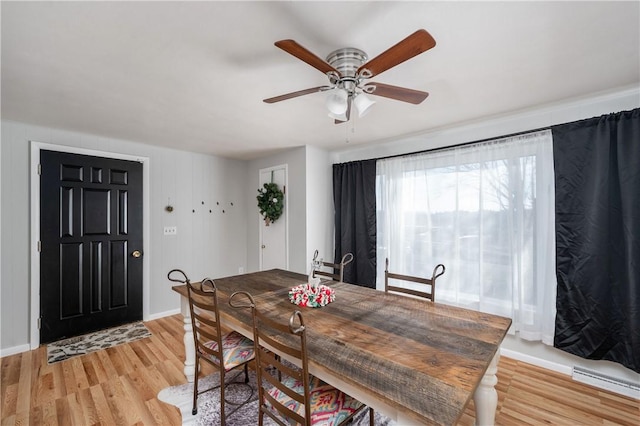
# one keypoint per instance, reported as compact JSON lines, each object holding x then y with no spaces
{"x":597,"y":173}
{"x":354,"y":198}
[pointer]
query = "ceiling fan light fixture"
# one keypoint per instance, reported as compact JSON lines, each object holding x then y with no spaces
{"x":363,"y":104}
{"x":337,"y":101}
{"x":339,"y":117}
{"x":349,"y":68}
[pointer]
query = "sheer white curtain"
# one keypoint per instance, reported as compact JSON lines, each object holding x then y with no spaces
{"x":485,"y":211}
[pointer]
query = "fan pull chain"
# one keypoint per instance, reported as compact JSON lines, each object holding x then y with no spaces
{"x":346,"y":136}
{"x":351,"y":126}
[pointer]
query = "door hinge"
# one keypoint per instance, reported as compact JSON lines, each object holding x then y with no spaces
{"x":284,"y":189}
{"x":39,"y":323}
{"x":39,"y":169}
{"x":39,"y":246}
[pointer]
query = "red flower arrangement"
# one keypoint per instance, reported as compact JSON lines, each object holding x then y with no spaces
{"x":312,"y":296}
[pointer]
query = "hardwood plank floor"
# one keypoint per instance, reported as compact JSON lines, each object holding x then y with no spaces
{"x":119,"y":386}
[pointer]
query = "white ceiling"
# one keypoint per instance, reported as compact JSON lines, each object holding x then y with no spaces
{"x":192,"y":75}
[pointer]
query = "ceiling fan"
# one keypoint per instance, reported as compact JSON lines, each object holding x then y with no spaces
{"x":348,"y":71}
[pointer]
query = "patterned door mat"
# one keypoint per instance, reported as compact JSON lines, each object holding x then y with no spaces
{"x":67,"y":348}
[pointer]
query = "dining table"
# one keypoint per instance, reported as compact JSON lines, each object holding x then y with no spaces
{"x":415,"y":361}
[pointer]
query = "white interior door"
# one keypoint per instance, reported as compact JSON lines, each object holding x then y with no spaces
{"x":273,"y":238}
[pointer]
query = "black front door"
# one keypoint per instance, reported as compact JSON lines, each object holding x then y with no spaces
{"x":91,"y":244}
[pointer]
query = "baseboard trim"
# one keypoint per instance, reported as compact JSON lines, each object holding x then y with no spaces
{"x":162,"y":314}
{"x":612,"y":384}
{"x":26,"y":347}
{"x":553,"y":366}
{"x":15,"y":350}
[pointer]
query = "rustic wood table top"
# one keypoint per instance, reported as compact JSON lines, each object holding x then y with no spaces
{"x":423,"y":359}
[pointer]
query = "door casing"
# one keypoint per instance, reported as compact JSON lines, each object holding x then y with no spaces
{"x":284,"y":168}
{"x":34,"y":335}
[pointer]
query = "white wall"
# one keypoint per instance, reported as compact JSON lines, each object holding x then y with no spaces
{"x":320,"y":211}
{"x":577,"y":109}
{"x":295,"y":159}
{"x":309,"y":201}
{"x":207,"y":243}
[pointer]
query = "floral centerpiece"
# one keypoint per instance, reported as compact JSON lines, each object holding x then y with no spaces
{"x":313,"y":296}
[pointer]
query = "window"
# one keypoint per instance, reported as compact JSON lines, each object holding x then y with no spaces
{"x":485,"y":211}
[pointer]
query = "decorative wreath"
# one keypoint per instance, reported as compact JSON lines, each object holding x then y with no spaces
{"x":270,"y":202}
{"x":312,"y":296}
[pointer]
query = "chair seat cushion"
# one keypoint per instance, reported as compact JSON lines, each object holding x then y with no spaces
{"x":329,"y":406}
{"x":236,"y":350}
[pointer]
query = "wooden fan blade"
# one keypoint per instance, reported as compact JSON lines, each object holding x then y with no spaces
{"x":296,"y":94}
{"x":295,"y":49}
{"x":347,"y":113}
{"x":415,"y":44}
{"x":398,"y":93}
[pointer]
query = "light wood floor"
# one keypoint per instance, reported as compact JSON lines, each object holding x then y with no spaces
{"x":119,"y":386}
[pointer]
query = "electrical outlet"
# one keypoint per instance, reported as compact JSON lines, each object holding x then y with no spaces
{"x":170,"y":230}
{"x":241,"y":270}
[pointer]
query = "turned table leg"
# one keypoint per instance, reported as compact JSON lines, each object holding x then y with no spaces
{"x":486,"y":396}
{"x":189,"y":349}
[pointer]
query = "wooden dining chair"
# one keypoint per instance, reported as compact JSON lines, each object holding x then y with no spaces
{"x":429,"y":284}
{"x":292,"y":396}
{"x":225,"y":352}
{"x":336,"y":270}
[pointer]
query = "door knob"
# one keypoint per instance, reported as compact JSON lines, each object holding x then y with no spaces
{"x":263,"y":246}
{"x":136,"y":253}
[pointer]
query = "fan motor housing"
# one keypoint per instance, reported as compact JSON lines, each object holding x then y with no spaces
{"x":347,"y":60}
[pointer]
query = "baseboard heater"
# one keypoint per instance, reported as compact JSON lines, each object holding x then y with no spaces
{"x":602,"y":381}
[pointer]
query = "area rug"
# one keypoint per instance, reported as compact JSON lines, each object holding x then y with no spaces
{"x":73,"y":346}
{"x":181,"y":396}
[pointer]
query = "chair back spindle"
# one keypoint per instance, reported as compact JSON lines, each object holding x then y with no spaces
{"x":429,"y":284}
{"x":225,"y":352}
{"x":336,"y":270}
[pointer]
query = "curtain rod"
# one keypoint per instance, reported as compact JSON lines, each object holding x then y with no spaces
{"x":442,"y":148}
{"x":524,"y":132}
{"x":493,"y":138}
